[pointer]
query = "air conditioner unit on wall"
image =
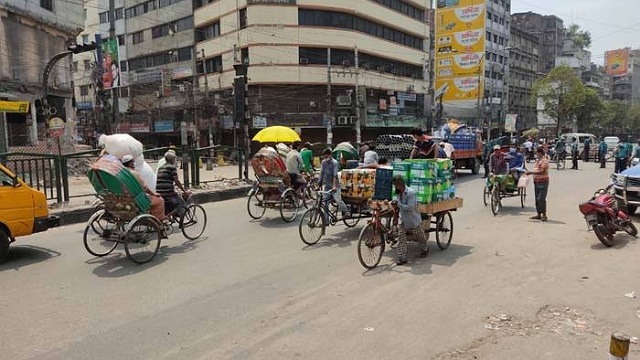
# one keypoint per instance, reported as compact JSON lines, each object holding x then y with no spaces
{"x":343,"y":120}
{"x":343,"y":100}
{"x":353,"y":120}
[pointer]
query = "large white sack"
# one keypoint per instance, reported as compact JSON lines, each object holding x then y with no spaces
{"x":146,"y":173}
{"x":120,"y":145}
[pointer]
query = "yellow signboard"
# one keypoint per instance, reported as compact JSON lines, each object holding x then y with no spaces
{"x":460,"y":47}
{"x":20,"y":107}
{"x":617,"y":62}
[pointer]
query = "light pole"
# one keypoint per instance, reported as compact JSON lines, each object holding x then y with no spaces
{"x":480,"y":91}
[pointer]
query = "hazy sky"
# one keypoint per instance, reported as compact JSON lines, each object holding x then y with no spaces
{"x":613,"y":24}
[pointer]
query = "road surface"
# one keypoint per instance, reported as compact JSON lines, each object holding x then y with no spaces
{"x":507,"y":288}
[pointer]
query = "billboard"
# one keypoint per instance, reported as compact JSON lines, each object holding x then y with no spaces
{"x":110,"y":64}
{"x":617,"y":62}
{"x":460,"y":47}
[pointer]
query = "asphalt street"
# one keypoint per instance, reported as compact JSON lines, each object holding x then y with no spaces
{"x":507,"y":288}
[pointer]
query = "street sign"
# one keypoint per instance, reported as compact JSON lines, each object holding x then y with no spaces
{"x":20,"y":107}
{"x":56,"y":127}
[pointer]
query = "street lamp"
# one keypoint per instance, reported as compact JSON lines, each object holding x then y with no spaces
{"x":480,"y":88}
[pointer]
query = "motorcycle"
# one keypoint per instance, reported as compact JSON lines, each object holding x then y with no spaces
{"x":604,"y":217}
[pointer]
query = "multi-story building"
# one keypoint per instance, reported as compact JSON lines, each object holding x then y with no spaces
{"x":524,"y":59}
{"x":575,"y":57}
{"x":472,"y":39}
{"x":31,"y":33}
{"x":298,"y":52}
{"x":624,"y":67}
{"x":550,"y":30}
{"x":596,"y":78}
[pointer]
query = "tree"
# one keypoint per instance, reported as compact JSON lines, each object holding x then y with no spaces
{"x":563,"y":95}
{"x":591,"y":110}
{"x":581,"y":38}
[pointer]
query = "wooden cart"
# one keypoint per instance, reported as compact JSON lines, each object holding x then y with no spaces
{"x":382,"y":229}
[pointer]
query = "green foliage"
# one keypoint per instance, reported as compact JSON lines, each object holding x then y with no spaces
{"x":581,"y":38}
{"x":564,"y":96}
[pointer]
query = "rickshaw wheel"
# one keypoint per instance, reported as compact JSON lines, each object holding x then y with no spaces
{"x":444,"y":230}
{"x":311,"y":226}
{"x":255,"y":204}
{"x":289,"y":205}
{"x":98,"y":238}
{"x":4,"y":245}
{"x":495,"y":200}
{"x":142,"y":241}
{"x":193,"y":221}
{"x":523,"y":196}
{"x":356,"y":214}
{"x":370,"y":247}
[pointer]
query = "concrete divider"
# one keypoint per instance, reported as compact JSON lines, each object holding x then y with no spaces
{"x":82,"y":214}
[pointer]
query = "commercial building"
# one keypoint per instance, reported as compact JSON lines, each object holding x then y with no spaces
{"x":550,"y":30}
{"x":31,"y":33}
{"x":472,"y":60}
{"x":596,"y":78}
{"x":524,"y":59}
{"x":575,"y":57}
{"x":312,"y":63}
{"x":623,"y":65}
{"x":145,"y":60}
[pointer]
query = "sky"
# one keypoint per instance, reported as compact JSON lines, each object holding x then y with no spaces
{"x":613,"y":24}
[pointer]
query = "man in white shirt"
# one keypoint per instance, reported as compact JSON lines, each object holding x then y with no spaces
{"x":448,"y":148}
{"x":371,"y":156}
{"x":294,"y":163}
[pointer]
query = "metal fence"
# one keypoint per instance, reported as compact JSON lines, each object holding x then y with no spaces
{"x":50,"y":173}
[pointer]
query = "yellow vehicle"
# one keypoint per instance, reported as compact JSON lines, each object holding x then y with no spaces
{"x":23,"y":210}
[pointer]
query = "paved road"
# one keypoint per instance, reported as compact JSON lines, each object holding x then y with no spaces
{"x":508,"y":288}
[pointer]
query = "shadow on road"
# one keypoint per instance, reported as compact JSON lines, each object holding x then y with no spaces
{"x":621,"y":241}
{"x":418,"y":265}
{"x":25,"y":255}
{"x":118,"y":265}
{"x":340,"y":239}
{"x":277,"y":222}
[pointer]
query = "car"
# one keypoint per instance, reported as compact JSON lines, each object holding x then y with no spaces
{"x":626,"y":186}
{"x":593,"y":149}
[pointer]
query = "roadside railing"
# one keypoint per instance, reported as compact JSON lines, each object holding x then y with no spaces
{"x":50,"y":173}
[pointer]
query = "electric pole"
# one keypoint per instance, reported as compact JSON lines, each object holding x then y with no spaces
{"x":240,"y":91}
{"x":329,"y":100}
{"x":358,"y":102}
{"x":115,"y":111}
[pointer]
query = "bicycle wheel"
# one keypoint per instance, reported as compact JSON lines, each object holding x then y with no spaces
{"x":143,"y":240}
{"x":193,"y":221}
{"x":289,"y":205}
{"x":99,"y":236}
{"x":311,"y":227}
{"x":356,"y":214}
{"x":523,"y":196}
{"x":495,"y":200}
{"x":444,"y":230}
{"x":371,"y":245}
{"x":486,"y":195}
{"x":255,"y":204}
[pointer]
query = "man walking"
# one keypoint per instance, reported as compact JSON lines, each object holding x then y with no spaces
{"x":540,"y":174}
{"x":574,"y":154}
{"x":411,"y":221}
{"x":602,"y":153}
{"x":621,"y":154}
{"x":587,"y":148}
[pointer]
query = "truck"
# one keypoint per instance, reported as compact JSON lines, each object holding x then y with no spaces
{"x":23,"y":210}
{"x":467,"y":152}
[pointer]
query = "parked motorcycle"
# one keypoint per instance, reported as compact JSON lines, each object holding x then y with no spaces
{"x":605,"y":218}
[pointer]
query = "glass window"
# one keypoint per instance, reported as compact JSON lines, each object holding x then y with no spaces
{"x":121,"y":40}
{"x":123,"y":65}
{"x":119,"y":13}
{"x":84,"y":90}
{"x":87,"y":64}
{"x":5,"y":179}
{"x":242,"y":18}
{"x":184,"y":24}
{"x":184,"y":54}
{"x":137,"y":37}
{"x":104,"y":17}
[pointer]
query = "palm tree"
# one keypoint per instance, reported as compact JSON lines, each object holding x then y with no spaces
{"x":581,"y":38}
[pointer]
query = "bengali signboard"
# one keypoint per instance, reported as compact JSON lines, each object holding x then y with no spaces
{"x":20,"y":107}
{"x":163,"y":126}
{"x":617,"y":62}
{"x":271,"y":2}
{"x":460,"y":45}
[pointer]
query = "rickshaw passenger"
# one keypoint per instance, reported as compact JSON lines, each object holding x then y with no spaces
{"x":497,"y":162}
{"x":516,"y":162}
{"x":157,"y":203}
{"x":329,"y":179}
{"x":294,"y":164}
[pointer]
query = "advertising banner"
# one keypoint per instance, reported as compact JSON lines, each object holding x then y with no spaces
{"x":510,"y":122}
{"x":617,"y":62}
{"x":110,"y":64}
{"x":163,"y":126}
{"x":460,"y":45}
{"x":20,"y":107}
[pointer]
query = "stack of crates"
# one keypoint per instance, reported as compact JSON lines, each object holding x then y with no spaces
{"x":422,"y":176}
{"x":384,"y":184}
{"x":403,"y":169}
{"x":431,"y":179}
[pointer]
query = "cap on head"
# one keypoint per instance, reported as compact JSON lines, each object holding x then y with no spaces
{"x":496,"y":147}
{"x":170,"y":156}
{"x":327,"y":151}
{"x":127,"y":159}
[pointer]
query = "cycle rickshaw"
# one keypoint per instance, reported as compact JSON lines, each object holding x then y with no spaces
{"x":123,"y":216}
{"x":499,"y":187}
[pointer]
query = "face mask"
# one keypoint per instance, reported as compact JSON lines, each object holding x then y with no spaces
{"x":512,"y":150}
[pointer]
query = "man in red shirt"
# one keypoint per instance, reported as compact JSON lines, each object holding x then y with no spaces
{"x":540,"y":174}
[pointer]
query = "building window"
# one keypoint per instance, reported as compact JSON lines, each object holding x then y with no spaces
{"x":159,"y":31}
{"x":74,"y":66}
{"x":122,"y":40}
{"x":84,"y":90}
{"x":164,"y":3}
{"x":87,"y":64}
{"x":489,"y":15}
{"x":184,"y":24}
{"x":334,"y":19}
{"x":213,"y":65}
{"x":184,"y":54}
{"x":244,"y":55}
{"x":46,"y":4}
{"x":137,"y":37}
{"x":208,"y":32}
{"x":242,"y":16}
{"x":123,"y":65}
{"x":85,"y":39}
{"x":119,"y":13}
{"x":403,"y":7}
{"x":104,"y":17}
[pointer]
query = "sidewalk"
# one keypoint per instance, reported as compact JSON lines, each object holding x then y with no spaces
{"x":219,"y":184}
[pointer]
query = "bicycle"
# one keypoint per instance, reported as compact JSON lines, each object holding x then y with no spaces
{"x":560,"y":159}
{"x":382,"y":229}
{"x":325,"y":213}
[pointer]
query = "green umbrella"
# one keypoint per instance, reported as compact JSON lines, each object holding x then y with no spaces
{"x":345,"y":150}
